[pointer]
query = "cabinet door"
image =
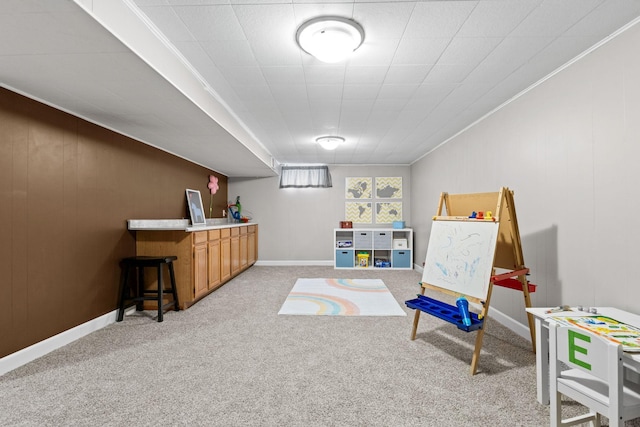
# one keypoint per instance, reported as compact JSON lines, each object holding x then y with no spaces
{"x":214,"y":264}
{"x":200,"y":281}
{"x":225,"y":259}
{"x":244,"y":248}
{"x":252,"y":245}
{"x":235,"y":255}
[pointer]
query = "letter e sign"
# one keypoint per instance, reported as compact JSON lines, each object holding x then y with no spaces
{"x":575,"y":348}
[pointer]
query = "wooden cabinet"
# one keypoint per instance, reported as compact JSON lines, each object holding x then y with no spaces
{"x":206,"y":259}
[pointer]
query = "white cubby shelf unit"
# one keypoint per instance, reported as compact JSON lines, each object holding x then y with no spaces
{"x":373,"y":248}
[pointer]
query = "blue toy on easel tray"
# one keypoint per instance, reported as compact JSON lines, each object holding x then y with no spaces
{"x":445,"y":312}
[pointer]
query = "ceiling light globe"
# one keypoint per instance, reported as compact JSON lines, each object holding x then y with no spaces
{"x":330,"y":39}
{"x":329,"y":142}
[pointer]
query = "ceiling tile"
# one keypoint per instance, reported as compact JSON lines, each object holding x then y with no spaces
{"x":406,"y":74}
{"x":438,"y":19}
{"x":382,"y":21}
{"x":365,"y":75}
{"x":281,"y":75}
{"x":496,"y":18}
{"x":168,"y":22}
{"x":599,"y":21}
{"x":214,"y":22}
{"x":553,"y":17}
{"x":468,"y":50}
{"x":327,"y":74}
{"x":228,"y":52}
{"x":420,"y":50}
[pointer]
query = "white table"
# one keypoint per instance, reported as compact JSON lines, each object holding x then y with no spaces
{"x":631,"y":360}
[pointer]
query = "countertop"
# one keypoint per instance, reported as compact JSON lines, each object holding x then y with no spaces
{"x":181,"y":224}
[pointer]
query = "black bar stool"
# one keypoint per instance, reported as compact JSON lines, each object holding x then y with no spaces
{"x":130,"y":296}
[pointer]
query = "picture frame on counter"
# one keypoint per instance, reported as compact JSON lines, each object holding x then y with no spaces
{"x":196,"y":210}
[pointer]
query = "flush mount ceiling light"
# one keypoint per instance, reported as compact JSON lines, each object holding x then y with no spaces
{"x":330,"y":142}
{"x":330,"y":38}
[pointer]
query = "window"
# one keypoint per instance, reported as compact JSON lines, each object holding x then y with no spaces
{"x":305,"y":177}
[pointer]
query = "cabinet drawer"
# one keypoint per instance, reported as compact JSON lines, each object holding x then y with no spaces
{"x":344,"y":258}
{"x":362,"y":239}
{"x":225,"y":233}
{"x":214,"y":234}
{"x":235,"y":231}
{"x":382,"y":240}
{"x":199,"y":237}
{"x":243,"y":230}
{"x":252,"y":229}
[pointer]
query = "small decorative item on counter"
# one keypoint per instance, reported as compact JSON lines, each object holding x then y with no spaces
{"x":346,"y":224}
{"x":235,"y":211}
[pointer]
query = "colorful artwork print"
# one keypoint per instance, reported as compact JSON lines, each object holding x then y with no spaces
{"x":358,"y":188}
{"x":359,"y":212}
{"x":387,"y":212}
{"x":626,"y":335}
{"x":389,"y":187}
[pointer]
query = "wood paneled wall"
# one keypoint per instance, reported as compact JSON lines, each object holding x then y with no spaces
{"x":67,"y":188}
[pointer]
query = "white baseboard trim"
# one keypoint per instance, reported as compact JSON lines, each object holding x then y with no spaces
{"x":26,"y":355}
{"x":509,"y":323}
{"x":292,"y":263}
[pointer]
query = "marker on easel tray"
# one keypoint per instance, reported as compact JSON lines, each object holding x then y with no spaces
{"x":463,"y":307}
{"x":473,"y":214}
{"x":558,"y":309}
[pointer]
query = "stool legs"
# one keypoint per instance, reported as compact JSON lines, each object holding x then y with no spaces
{"x":160,"y":290}
{"x":174,"y":288}
{"x":140,"y":288}
{"x":141,"y":294}
{"x":124,"y":287}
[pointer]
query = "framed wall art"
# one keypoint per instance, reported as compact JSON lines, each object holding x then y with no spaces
{"x":196,"y":211}
{"x":389,"y":187}
{"x":358,"y":187}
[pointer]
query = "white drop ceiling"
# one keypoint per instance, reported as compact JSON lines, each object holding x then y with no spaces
{"x":222,"y":82}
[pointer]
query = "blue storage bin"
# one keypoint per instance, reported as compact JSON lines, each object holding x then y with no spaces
{"x":345,"y":258}
{"x":401,"y":259}
{"x":398,"y":224}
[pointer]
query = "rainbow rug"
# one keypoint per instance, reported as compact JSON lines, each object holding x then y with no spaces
{"x":341,"y":297}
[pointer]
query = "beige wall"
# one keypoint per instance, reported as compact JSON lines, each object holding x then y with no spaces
{"x":296,"y":225}
{"x":67,"y":188}
{"x":569,"y":149}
